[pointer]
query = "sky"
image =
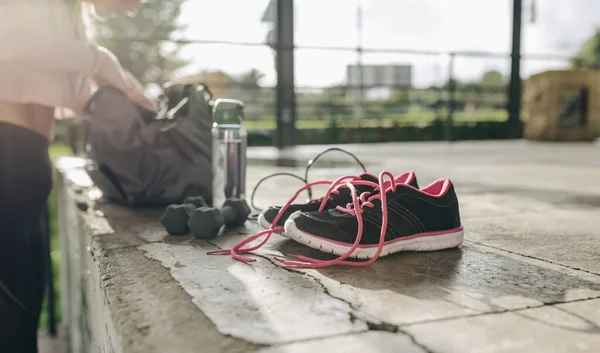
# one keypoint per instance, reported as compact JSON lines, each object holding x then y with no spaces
{"x":560,"y":28}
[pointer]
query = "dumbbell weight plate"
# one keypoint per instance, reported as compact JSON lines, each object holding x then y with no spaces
{"x":175,"y":219}
{"x":235,"y":212}
{"x":205,"y":222}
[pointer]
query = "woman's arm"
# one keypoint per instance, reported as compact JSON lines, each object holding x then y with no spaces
{"x":25,"y":43}
{"x":37,"y":35}
{"x":49,"y":53}
{"x":62,"y":55}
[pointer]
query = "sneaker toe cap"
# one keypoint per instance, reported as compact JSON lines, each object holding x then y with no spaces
{"x":270,"y":213}
{"x":310,"y":224}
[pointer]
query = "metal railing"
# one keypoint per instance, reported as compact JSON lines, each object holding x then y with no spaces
{"x":452,"y":101}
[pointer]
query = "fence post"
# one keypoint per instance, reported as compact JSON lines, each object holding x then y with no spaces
{"x":285,"y":104}
{"x":359,"y":90}
{"x":451,"y":99}
{"x":514,"y":89}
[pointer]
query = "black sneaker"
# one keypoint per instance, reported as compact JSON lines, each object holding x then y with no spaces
{"x":340,"y":197}
{"x":418,"y":220}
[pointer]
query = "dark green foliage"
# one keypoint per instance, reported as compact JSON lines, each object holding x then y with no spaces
{"x":489,"y":130}
{"x":138,"y":40}
{"x":589,"y":54}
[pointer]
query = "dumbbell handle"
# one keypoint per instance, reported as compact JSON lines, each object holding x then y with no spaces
{"x":229,"y":214}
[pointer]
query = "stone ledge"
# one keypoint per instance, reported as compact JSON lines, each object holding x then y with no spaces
{"x":131,"y":302}
{"x":127,"y":287}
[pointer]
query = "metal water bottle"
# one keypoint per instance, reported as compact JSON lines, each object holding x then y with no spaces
{"x":228,"y":151}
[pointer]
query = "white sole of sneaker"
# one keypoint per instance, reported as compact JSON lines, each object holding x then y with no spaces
{"x":262,"y":221}
{"x":418,"y":242}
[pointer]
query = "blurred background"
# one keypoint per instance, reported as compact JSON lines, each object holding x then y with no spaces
{"x":423,"y":62}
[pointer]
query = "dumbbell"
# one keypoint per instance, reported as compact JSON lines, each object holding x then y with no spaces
{"x":175,"y":218}
{"x":206,"y":222}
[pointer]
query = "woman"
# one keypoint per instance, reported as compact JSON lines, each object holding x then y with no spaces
{"x":46,"y":65}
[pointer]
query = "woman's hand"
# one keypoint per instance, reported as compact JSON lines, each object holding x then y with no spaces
{"x":135,"y":92}
{"x":132,"y":88}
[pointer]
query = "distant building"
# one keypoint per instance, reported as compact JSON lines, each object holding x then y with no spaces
{"x":377,"y":80}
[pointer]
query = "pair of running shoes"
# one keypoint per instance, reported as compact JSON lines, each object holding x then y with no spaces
{"x":364,"y":217}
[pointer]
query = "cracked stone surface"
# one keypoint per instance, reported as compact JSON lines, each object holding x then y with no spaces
{"x":152,"y":314}
{"x":372,"y":341}
{"x":527,"y":278}
{"x":396,"y":291}
{"x":440,"y":285}
{"x":282,"y":306}
{"x":570,"y":327}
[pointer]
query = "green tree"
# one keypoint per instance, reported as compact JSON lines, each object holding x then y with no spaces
{"x":589,"y":54}
{"x":140,"y":40}
{"x":492,"y":78}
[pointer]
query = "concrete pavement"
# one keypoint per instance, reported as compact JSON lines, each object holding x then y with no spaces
{"x":527,"y":278}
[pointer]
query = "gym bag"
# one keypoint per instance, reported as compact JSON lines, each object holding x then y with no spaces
{"x":141,"y":158}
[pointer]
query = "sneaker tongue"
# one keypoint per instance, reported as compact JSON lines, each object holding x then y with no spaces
{"x":344,"y":195}
{"x":369,"y":177}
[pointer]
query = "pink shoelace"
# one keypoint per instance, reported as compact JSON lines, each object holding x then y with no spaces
{"x":355,"y":209}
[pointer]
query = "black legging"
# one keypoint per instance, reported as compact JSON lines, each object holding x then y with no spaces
{"x":25,"y":183}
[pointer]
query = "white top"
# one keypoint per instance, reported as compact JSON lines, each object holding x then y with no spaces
{"x":41,"y":59}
